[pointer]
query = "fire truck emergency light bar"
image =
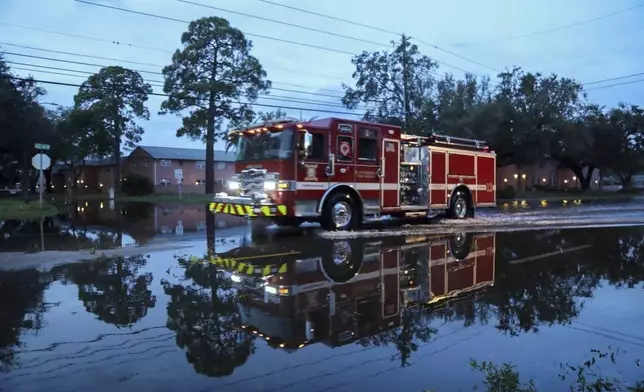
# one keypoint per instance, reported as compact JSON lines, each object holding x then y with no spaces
{"x":265,"y":124}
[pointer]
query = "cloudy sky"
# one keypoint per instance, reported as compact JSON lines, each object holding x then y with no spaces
{"x":589,"y":40}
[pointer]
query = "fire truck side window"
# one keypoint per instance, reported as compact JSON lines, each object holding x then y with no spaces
{"x":316,"y":152}
{"x":368,"y":145}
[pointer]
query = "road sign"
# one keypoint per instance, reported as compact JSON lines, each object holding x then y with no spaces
{"x":42,"y":146}
{"x":41,"y":161}
{"x":178,"y":174}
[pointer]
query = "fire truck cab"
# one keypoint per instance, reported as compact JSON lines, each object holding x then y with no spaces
{"x":340,"y":172}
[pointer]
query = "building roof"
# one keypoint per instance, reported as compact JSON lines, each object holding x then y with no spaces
{"x":186,"y":154}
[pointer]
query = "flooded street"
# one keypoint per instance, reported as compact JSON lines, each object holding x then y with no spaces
{"x":199,"y":304}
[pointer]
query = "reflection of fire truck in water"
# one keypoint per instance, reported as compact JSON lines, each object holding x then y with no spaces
{"x":357,"y":288}
{"x":341,"y":172}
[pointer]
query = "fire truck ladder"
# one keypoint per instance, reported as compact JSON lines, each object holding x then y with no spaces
{"x":451,"y":141}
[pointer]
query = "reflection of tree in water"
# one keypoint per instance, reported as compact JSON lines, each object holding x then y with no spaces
{"x":552,"y":290}
{"x":414,"y":329}
{"x":21,"y":309}
{"x":203,"y":312}
{"x":112,"y":289}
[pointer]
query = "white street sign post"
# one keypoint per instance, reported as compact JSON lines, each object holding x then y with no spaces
{"x":178,"y":174}
{"x":40,"y":162}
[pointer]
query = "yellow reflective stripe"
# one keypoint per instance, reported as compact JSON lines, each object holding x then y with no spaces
{"x":266,"y":270}
{"x":281,"y":209}
{"x":240,"y":209}
{"x":250,"y":270}
{"x":240,"y":267}
{"x":266,"y":211}
{"x":283,"y":269}
{"x":218,"y":207}
{"x":249,"y":211}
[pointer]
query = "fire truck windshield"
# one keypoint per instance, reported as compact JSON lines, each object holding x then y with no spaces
{"x":268,"y":145}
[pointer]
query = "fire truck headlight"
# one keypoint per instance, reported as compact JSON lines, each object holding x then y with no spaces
{"x":233,"y":185}
{"x":235,"y":278}
{"x":270,"y":185}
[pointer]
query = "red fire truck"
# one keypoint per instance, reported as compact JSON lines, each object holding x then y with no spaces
{"x":340,"y":172}
{"x":338,"y":291}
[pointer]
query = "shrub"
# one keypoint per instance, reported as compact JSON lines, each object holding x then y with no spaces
{"x":506,"y":193}
{"x":137,"y":185}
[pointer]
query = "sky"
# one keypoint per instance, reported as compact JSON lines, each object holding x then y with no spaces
{"x":604,"y":41}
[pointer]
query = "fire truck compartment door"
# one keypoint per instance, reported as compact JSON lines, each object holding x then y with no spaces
{"x":390,"y":173}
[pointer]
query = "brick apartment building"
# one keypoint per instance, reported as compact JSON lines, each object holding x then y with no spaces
{"x":156,"y":163}
{"x":159,"y":165}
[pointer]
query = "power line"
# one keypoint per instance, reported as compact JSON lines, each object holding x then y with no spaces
{"x":554,"y":29}
{"x":154,"y":83}
{"x":166,"y":95}
{"x":616,"y":84}
{"x":375,"y":28}
{"x":615,"y":78}
{"x":245,"y":33}
{"x":326,"y":48}
{"x":151,"y":72}
{"x":85,"y":37}
{"x":79,"y":54}
{"x":290,"y":71}
{"x":284,"y":23}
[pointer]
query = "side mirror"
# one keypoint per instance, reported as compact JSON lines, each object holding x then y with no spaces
{"x":308,"y":142}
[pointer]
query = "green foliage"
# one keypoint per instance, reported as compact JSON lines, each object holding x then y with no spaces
{"x":393,"y":85}
{"x":116,"y":97}
{"x":137,"y":185}
{"x":504,"y":378}
{"x":215,"y":79}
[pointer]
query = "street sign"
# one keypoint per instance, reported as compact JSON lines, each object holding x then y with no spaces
{"x":178,"y":174}
{"x":40,"y":161}
{"x":42,"y":146}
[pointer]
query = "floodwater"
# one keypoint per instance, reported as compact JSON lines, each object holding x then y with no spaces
{"x":294,"y":311}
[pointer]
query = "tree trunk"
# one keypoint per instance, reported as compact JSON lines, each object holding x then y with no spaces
{"x":24,"y":178}
{"x":626,"y":180}
{"x":117,"y":165}
{"x":584,"y":180}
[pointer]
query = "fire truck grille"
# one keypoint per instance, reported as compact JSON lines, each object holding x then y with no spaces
{"x":252,"y":181}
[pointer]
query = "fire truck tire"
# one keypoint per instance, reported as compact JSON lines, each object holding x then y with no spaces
{"x":340,"y":213}
{"x":460,"y":207}
{"x":342,"y":260}
{"x":460,"y":245}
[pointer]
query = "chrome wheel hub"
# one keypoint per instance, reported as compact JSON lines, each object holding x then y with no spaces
{"x":460,"y":208}
{"x":341,"y":253}
{"x":341,"y":215}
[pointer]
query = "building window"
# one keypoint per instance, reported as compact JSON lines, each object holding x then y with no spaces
{"x":200,"y":164}
{"x":144,"y":162}
{"x":200,"y":182}
{"x":133,"y":164}
{"x":221,"y":165}
{"x":166,"y":162}
{"x":368,"y":145}
{"x":166,"y":181}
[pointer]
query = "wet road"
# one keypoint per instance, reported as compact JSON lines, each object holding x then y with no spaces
{"x":294,"y":311}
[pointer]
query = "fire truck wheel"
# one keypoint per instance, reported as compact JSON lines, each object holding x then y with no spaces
{"x":460,"y":245}
{"x":459,"y":207}
{"x":340,"y":213}
{"x":342,"y":260}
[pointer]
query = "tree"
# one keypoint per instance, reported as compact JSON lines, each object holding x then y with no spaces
{"x":395,"y":85}
{"x":117,"y":97}
{"x":209,"y":77}
{"x":80,"y":134}
{"x":623,"y":139}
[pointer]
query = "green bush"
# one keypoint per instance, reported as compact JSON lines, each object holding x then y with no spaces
{"x":508,"y":192}
{"x":136,"y":185}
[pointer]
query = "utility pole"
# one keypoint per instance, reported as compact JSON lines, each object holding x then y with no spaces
{"x":405,"y":75}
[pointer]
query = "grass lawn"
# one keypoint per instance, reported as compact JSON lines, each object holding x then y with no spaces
{"x":19,"y":209}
